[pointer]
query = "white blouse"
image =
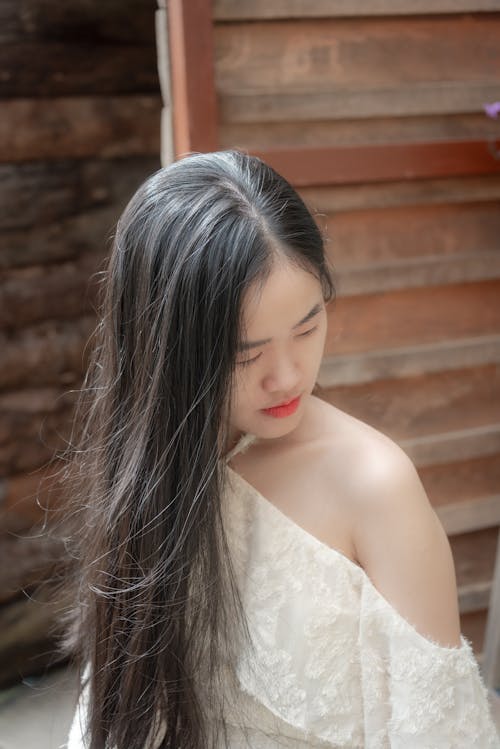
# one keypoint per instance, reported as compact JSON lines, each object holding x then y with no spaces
{"x":334,"y":664}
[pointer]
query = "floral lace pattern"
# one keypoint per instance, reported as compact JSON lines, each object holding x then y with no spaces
{"x":335,"y":664}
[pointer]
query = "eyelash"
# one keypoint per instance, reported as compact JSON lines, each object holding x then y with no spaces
{"x":300,"y":335}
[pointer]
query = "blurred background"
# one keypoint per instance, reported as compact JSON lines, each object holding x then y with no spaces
{"x":377,"y":116}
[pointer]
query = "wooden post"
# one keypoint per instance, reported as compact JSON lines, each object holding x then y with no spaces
{"x":184,"y":34}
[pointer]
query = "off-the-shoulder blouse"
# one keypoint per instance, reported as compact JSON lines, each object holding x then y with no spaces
{"x":333,"y":663}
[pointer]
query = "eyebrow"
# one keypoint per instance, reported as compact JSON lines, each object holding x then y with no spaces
{"x":253,"y":344}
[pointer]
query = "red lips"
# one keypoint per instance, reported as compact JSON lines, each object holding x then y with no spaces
{"x":285,"y":409}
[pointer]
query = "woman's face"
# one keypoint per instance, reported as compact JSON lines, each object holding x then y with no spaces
{"x":279,"y":359}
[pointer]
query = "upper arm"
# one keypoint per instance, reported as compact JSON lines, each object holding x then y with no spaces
{"x":403,"y":547}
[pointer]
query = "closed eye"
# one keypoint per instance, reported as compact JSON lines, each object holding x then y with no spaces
{"x":253,"y":359}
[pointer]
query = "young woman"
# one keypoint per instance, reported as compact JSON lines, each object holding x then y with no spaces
{"x":255,"y":567}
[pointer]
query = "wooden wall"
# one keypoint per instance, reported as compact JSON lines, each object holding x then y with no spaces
{"x":374,"y":111}
{"x":80,"y":129}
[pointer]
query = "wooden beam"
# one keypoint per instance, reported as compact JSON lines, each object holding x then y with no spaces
{"x":245,"y":10}
{"x":194,"y":107}
{"x":309,"y":166}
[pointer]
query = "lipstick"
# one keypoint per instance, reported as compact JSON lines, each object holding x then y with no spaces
{"x":286,"y":409}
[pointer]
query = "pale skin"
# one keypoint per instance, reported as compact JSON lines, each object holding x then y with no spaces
{"x":340,"y":479}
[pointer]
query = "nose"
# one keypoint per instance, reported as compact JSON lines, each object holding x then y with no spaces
{"x":283,"y":375}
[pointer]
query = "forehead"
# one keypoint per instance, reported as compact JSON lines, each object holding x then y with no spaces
{"x":287,"y":292}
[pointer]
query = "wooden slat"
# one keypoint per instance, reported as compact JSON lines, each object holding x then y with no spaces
{"x":474,"y":557}
{"x":329,"y":166}
{"x":461,"y":481}
{"x":77,"y":22}
{"x":333,"y":104}
{"x":243,"y":10}
{"x":464,"y":517}
{"x":350,"y":132}
{"x":413,"y":317}
{"x":40,"y":194}
{"x":401,"y":193}
{"x":408,"y":361}
{"x":474,"y":597}
{"x":50,"y":353}
{"x":415,"y":273}
{"x":352,"y":58}
{"x":86,"y":69}
{"x":444,"y":409}
{"x":192,"y":78}
{"x":392,"y":235}
{"x":79,"y":127}
{"x":462,"y":444}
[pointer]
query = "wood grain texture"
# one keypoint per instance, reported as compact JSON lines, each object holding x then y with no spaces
{"x":378,"y":163}
{"x":194,"y":105}
{"x":239,"y":10}
{"x":80,"y":127}
{"x":410,"y":316}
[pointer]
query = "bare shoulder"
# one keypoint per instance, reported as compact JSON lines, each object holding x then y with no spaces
{"x":397,"y":536}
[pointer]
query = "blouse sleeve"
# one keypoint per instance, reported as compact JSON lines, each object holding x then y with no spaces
{"x":335,"y":661}
{"x":417,"y":693}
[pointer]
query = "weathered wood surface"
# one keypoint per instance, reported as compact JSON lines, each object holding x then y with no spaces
{"x":408,"y":361}
{"x":106,"y":127}
{"x":401,"y":193}
{"x":32,"y":499}
{"x":365,"y":238}
{"x":34,"y":425}
{"x":410,"y":316}
{"x":84,"y":68}
{"x":432,"y":404}
{"x":242,"y":10}
{"x":35,"y":194}
{"x":63,"y":291}
{"x":29,"y":627}
{"x":382,"y":130}
{"x":327,"y":54}
{"x":26,"y":561}
{"x":78,"y":21}
{"x":51,"y":352}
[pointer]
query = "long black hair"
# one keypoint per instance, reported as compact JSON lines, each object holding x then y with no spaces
{"x":153,"y":589}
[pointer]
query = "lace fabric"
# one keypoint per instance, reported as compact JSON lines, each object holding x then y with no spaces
{"x":335,"y":664}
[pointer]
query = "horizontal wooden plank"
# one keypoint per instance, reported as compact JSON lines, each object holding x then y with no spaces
{"x":437,"y":98}
{"x":80,"y":127}
{"x":474,"y":597}
{"x":347,"y":59}
{"x":80,"y":68}
{"x":413,"y":316}
{"x":461,"y":481}
{"x":434,"y":408}
{"x":51,"y":352}
{"x":350,"y":132}
{"x":34,"y":424}
{"x":387,"y":236}
{"x":473,"y":625}
{"x":462,"y":444}
{"x":56,"y":291}
{"x":30,"y":499}
{"x":408,"y":361}
{"x":77,"y":22}
{"x":474,"y":556}
{"x":61,"y":240}
{"x":416,"y":273}
{"x":463,"y":517}
{"x":401,"y":193}
{"x":254,"y":10}
{"x":354,"y":164}
{"x":41,"y":193}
